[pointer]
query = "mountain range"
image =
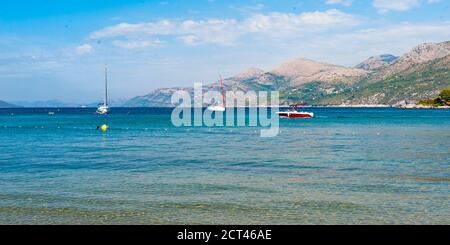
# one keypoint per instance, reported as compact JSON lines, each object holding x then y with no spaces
{"x":385,"y":79}
{"x":45,"y":104}
{"x":4,"y":104}
{"x":62,"y":104}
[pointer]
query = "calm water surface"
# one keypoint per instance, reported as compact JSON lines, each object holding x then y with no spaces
{"x":347,"y":166}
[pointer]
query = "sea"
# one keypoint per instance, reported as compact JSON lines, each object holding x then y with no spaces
{"x":345,"y":166}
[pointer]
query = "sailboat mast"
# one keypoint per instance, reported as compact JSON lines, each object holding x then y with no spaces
{"x":223,"y":91}
{"x":106,"y":85}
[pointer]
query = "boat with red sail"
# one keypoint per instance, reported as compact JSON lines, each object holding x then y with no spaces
{"x":219,"y":107}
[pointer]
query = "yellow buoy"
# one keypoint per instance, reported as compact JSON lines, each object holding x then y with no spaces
{"x":104,"y":127}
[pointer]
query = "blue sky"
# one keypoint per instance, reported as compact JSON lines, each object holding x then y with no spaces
{"x":56,"y":49}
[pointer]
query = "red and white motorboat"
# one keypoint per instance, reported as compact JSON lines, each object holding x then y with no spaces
{"x":294,"y":113}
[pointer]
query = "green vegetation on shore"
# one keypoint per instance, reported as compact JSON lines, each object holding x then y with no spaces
{"x":442,"y":100}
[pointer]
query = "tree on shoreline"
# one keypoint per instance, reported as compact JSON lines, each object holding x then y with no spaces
{"x":442,"y":100}
{"x":445,"y":96}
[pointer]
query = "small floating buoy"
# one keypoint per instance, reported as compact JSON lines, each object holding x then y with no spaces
{"x":103,"y":128}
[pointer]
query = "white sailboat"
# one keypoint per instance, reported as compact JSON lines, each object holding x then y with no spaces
{"x":103,"y":108}
{"x":219,"y":107}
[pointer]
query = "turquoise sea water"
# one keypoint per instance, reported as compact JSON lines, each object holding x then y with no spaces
{"x":347,"y":166}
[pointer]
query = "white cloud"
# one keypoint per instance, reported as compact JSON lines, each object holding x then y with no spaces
{"x":190,"y":39}
{"x":84,"y":49}
{"x":405,"y":31}
{"x":397,"y":5}
{"x":277,"y":23}
{"x":137,"y":44}
{"x":248,"y":8}
{"x":228,"y":31}
{"x":163,"y":27}
{"x":384,"y":6}
{"x":350,"y":48}
{"x":346,"y":3}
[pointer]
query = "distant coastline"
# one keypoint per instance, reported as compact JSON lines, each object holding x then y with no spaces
{"x":281,"y":106}
{"x":411,"y":81}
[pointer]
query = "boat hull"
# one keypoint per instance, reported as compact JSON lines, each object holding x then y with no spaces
{"x":295,"y":114}
{"x":102,"y":110}
{"x":216,"y":108}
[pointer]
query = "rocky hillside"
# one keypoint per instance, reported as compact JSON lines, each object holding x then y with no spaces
{"x":419,"y":55}
{"x":377,"y":62}
{"x":416,"y":75}
{"x":418,"y":82}
{"x":384,"y":79}
{"x":301,"y":71}
{"x":158,"y":98}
